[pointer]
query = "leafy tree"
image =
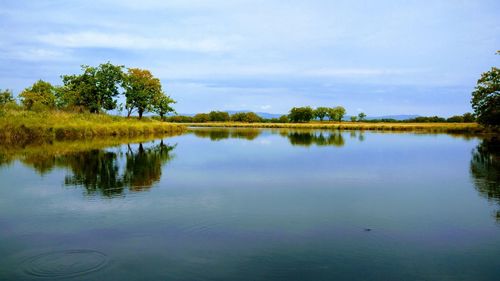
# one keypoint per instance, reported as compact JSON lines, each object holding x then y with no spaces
{"x":6,"y":97}
{"x":361,"y":116}
{"x":219,"y":116}
{"x":283,"y":119}
{"x":336,"y":113}
{"x":41,"y":94}
{"x":321,"y":113}
{"x":201,"y":118}
{"x":94,"y":89}
{"x":455,"y":119}
{"x":249,"y":117}
{"x":162,"y":105}
{"x":468,"y":117}
{"x":486,"y":98}
{"x":142,"y":90}
{"x":354,"y":118}
{"x":301,"y":114}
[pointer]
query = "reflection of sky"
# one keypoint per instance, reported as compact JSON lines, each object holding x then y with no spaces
{"x":380,"y":57}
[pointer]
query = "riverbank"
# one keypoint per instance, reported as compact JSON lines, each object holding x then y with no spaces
{"x":468,"y":128}
{"x":22,"y":126}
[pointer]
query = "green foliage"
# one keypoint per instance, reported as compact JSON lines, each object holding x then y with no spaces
{"x":39,"y":96}
{"x":354,"y":118}
{"x":321,"y":113}
{"x":143,"y":93}
{"x":93,"y":90}
{"x":6,"y":97}
{"x":455,"y":119}
{"x":283,"y":119}
{"x":248,"y":117}
{"x":361,"y":116}
{"x":469,"y":117}
{"x":180,"y":119}
{"x":162,"y":105}
{"x":201,"y":118}
{"x":486,"y":98}
{"x":219,"y":116}
{"x":336,"y":113}
{"x":301,"y":114}
{"x":423,"y":119}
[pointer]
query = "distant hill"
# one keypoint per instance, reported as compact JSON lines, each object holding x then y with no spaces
{"x":396,"y":117}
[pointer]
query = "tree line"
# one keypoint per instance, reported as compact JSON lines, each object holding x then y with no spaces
{"x":96,"y":90}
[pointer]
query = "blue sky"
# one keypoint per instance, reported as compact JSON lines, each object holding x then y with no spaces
{"x":379,"y":57}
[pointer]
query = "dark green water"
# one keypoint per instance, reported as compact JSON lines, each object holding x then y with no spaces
{"x":252,"y":204}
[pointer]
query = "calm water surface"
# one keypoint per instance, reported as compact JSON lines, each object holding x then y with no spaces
{"x":248,"y":204}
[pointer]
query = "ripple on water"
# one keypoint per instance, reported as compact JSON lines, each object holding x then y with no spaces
{"x":61,"y":264}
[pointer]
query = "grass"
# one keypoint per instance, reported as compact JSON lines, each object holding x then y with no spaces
{"x":418,"y":127}
{"x":22,"y":125}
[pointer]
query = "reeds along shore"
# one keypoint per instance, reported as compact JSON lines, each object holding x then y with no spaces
{"x":22,"y":126}
{"x":421,"y":127}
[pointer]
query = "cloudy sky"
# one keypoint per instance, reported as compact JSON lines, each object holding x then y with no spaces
{"x":379,"y":57}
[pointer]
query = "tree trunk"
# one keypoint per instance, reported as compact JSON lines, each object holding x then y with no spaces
{"x":140,"y":114}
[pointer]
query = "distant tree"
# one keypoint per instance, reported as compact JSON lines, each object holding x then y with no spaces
{"x":201,"y":118}
{"x":248,"y":117}
{"x":486,"y":98}
{"x":468,"y":117}
{"x":94,"y":89}
{"x":142,"y":90}
{"x":162,"y":105}
{"x":40,"y":94}
{"x":321,"y":113}
{"x":301,"y":114}
{"x":6,"y":97}
{"x":219,"y":116}
{"x":354,"y":118}
{"x":455,"y":119}
{"x":336,"y":113}
{"x":283,"y":119}
{"x":361,"y":116}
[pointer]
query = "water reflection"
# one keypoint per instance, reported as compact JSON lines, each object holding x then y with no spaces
{"x":485,"y":169}
{"x":220,"y":133}
{"x":330,"y":138}
{"x":100,"y":170}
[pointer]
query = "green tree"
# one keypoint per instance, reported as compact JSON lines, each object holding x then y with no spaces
{"x":94,"y":89}
{"x":301,"y":114}
{"x":201,"y":118}
{"x":162,"y":105}
{"x":219,"y":116}
{"x":321,"y":113}
{"x":486,"y":98}
{"x":354,"y":118}
{"x":336,"y":113}
{"x":468,"y":117}
{"x":6,"y":97}
{"x":248,"y":117}
{"x":361,"y":116}
{"x":41,"y":94}
{"x":142,"y":90}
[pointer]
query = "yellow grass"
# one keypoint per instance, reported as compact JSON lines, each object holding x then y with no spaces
{"x":21,"y":125}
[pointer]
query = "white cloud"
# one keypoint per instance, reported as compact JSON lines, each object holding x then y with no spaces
{"x":266,"y":107}
{"x":91,"y":39}
{"x":37,"y":54}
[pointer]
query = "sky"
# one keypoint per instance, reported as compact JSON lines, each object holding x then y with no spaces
{"x":379,"y":57}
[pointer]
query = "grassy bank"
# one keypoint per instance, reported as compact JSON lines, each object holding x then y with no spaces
{"x":421,"y":127}
{"x":21,"y":125}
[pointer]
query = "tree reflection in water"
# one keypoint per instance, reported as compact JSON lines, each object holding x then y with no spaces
{"x":485,"y":169}
{"x":330,"y":138}
{"x":99,"y":171}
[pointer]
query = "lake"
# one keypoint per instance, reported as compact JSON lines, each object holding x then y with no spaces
{"x":251,"y":204}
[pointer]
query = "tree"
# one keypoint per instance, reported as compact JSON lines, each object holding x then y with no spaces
{"x":41,"y":94}
{"x":201,"y":118}
{"x":142,"y":90}
{"x":219,"y":116}
{"x":486,"y":98}
{"x":249,"y":117}
{"x":301,"y":114}
{"x":336,"y":113}
{"x":321,"y":113}
{"x":361,"y":116}
{"x":6,"y":97}
{"x":354,"y":118}
{"x":162,"y":105}
{"x":94,"y":89}
{"x":468,"y":117}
